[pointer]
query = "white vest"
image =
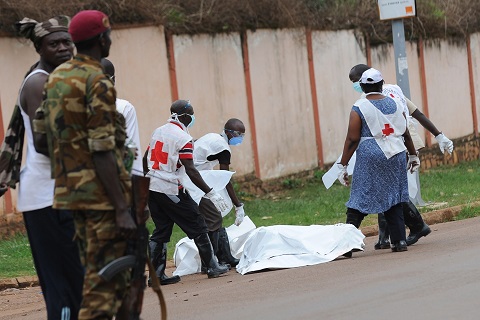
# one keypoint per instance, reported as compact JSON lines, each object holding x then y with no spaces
{"x":386,"y":129}
{"x":36,"y":186}
{"x":208,"y":145}
{"x":164,"y":175}
{"x":393,"y":91}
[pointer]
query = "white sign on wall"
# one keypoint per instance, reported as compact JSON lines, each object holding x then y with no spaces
{"x":396,"y":9}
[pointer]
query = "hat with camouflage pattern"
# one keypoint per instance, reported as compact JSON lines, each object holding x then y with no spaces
{"x":34,"y":30}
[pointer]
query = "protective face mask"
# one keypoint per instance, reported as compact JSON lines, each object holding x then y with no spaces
{"x":356,"y":86}
{"x":235,"y":141}
{"x":191,"y":122}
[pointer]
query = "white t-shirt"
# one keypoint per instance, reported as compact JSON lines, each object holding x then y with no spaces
{"x":36,"y":185}
{"x":128,"y":111}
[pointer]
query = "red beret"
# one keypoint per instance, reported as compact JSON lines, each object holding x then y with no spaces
{"x":87,"y":24}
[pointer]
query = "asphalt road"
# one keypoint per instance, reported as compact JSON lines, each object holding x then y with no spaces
{"x":437,"y":278}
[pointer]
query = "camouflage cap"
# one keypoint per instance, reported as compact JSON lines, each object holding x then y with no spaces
{"x":34,"y":30}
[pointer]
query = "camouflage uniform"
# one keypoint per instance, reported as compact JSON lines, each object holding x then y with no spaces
{"x":81,"y":118}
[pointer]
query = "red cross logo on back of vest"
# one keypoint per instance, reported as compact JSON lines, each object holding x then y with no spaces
{"x":387,"y":130}
{"x":158,"y":156}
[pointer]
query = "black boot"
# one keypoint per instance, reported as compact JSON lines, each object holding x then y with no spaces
{"x":214,"y":240}
{"x":224,"y":254}
{"x":208,"y":258}
{"x":158,"y":254}
{"x":414,"y":222}
{"x":399,"y":246}
{"x":354,"y":217}
{"x":383,"y":233}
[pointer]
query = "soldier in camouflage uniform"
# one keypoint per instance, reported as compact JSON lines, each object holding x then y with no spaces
{"x":87,"y":161}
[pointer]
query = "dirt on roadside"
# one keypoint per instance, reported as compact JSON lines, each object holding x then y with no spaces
{"x":20,"y":302}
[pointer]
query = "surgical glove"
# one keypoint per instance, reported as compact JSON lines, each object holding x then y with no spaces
{"x":343,"y":175}
{"x":413,"y":163}
{"x":217,"y":200}
{"x":444,"y":143}
{"x":240,"y":214}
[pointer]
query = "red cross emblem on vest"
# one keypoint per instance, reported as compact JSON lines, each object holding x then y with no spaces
{"x":387,"y":130}
{"x":158,"y":156}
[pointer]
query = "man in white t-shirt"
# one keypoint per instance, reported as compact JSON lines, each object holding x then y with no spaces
{"x":50,"y":231}
{"x":413,"y":219}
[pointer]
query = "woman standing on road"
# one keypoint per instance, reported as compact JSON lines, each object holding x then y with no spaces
{"x":378,"y":128}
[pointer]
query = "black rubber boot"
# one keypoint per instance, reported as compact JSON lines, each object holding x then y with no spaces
{"x":158,"y":254}
{"x":214,"y":240}
{"x":207,"y":257}
{"x":354,"y":217}
{"x":224,"y":254}
{"x":414,"y":222}
{"x":383,"y":233}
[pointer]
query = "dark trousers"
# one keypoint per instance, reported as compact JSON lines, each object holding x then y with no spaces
{"x":57,"y":260}
{"x":169,"y":209}
{"x":396,"y":223}
{"x":213,"y":217}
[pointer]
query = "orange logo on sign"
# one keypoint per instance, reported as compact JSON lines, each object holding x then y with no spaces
{"x":409,"y":10}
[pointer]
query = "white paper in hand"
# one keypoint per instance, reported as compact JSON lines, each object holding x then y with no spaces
{"x":217,"y":179}
{"x":331,"y":175}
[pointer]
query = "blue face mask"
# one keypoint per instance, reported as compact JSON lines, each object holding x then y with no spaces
{"x":357,"y":87}
{"x":191,"y":122}
{"x":235,"y":141}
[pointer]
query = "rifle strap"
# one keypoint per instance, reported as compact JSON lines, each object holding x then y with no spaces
{"x":156,"y":288}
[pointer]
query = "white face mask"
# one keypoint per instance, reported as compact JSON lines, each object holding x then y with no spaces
{"x":356,"y":86}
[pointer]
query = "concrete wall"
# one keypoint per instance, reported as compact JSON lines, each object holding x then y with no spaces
{"x":334,"y":54}
{"x":265,"y":78}
{"x":210,"y":73}
{"x":446,"y":69}
{"x":282,"y":101}
{"x":141,"y":73}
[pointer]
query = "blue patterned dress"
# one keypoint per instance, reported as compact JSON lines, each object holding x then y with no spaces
{"x":378,"y":183}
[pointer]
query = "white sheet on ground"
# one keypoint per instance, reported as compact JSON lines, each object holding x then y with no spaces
{"x":276,"y":247}
{"x":186,"y":256}
{"x":284,"y":246}
{"x":217,"y":179}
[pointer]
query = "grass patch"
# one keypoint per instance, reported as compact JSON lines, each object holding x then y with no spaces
{"x":15,"y":257}
{"x":301,"y":202}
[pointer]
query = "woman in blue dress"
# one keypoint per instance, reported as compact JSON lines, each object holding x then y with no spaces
{"x":377,"y":131}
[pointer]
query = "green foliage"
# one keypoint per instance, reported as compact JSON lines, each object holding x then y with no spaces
{"x":435,"y":18}
{"x":291,"y":183}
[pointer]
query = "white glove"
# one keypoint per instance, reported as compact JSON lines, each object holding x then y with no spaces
{"x":343,"y":175}
{"x":444,"y":143}
{"x":413,"y":163}
{"x":217,"y":200}
{"x":240,"y":214}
